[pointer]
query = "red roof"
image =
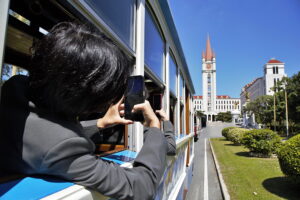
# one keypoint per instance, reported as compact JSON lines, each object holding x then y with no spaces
{"x":274,"y":61}
{"x":250,"y":84}
{"x":218,"y":97}
{"x":223,"y":97}
{"x":198,"y":97}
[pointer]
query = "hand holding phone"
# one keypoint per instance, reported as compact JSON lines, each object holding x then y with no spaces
{"x":135,"y":94}
{"x":151,"y":119}
{"x":112,"y":116}
{"x":162,"y":115}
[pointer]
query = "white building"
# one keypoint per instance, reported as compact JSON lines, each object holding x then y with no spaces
{"x":211,"y":103}
{"x":273,"y":72}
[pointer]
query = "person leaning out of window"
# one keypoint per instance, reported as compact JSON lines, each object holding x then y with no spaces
{"x":76,"y":70}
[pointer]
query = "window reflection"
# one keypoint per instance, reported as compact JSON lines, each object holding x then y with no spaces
{"x":172,"y":75}
{"x":154,"y":46}
{"x":173,"y":114}
{"x":9,"y":70}
{"x":181,"y":89}
{"x":118,"y":15}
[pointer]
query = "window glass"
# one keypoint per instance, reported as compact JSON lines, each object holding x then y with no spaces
{"x":154,"y":46}
{"x":181,"y":89}
{"x":172,"y":75}
{"x":9,"y":70}
{"x":208,"y":78}
{"x":173,"y":114}
{"x":118,"y":15}
{"x":181,"y":119}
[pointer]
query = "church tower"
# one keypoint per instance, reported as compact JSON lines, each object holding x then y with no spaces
{"x":209,"y":81}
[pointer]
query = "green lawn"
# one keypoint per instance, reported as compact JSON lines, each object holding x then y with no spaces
{"x":249,"y":178}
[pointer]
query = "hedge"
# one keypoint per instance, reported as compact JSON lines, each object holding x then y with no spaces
{"x":289,"y":158}
{"x":225,"y":131}
{"x":261,"y":141}
{"x":236,"y":135}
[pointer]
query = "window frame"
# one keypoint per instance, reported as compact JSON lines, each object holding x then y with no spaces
{"x":171,"y":56}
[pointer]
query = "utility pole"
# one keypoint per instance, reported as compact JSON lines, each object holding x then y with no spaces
{"x":274,"y":109}
{"x":286,"y":113}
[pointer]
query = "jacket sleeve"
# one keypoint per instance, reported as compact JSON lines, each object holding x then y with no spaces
{"x":90,"y":128}
{"x":72,"y":160}
{"x":169,"y":135}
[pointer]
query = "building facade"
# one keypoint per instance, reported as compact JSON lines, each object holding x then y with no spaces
{"x":210,"y":103}
{"x":273,"y":72}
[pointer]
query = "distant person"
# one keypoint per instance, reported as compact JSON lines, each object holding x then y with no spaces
{"x":76,"y":71}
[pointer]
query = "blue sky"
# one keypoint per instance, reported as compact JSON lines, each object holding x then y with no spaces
{"x":245,"y":34}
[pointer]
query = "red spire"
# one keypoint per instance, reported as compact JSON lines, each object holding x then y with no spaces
{"x":209,"y":54}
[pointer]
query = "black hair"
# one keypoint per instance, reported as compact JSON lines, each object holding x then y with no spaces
{"x":77,"y":70}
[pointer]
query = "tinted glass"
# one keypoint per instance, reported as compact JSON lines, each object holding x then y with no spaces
{"x":118,"y":15}
{"x":172,"y":75}
{"x":154,"y":46}
{"x":181,"y":88}
{"x":10,"y":70}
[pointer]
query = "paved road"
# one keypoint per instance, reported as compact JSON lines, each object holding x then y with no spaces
{"x":205,"y":184}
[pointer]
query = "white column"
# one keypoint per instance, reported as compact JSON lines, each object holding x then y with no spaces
{"x":184,"y":128}
{"x":4,"y":6}
{"x":191,"y":122}
{"x":204,"y":91}
{"x":178,"y":100}
{"x":166,"y":99}
{"x":135,"y":139}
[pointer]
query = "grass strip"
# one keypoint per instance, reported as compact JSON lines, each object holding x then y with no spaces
{"x":252,"y":178}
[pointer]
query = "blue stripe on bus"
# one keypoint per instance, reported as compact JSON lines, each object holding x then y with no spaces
{"x":31,"y":188}
{"x":121,"y":157}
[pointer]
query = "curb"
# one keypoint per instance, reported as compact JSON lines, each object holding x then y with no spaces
{"x":224,"y":190}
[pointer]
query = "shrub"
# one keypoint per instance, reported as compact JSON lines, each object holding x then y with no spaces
{"x":261,"y":141}
{"x":236,"y":135}
{"x":289,"y":158}
{"x":225,"y":131}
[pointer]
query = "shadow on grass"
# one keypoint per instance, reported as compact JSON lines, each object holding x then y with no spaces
{"x":283,"y":187}
{"x":243,"y":154}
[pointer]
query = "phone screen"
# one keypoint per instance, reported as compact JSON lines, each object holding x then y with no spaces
{"x":135,"y":94}
{"x":135,"y":85}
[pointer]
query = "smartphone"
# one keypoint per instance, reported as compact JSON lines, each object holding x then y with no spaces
{"x":135,"y":94}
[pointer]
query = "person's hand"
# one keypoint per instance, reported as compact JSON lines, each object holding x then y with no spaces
{"x":163,"y":115}
{"x":151,"y":119}
{"x":113,"y":116}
